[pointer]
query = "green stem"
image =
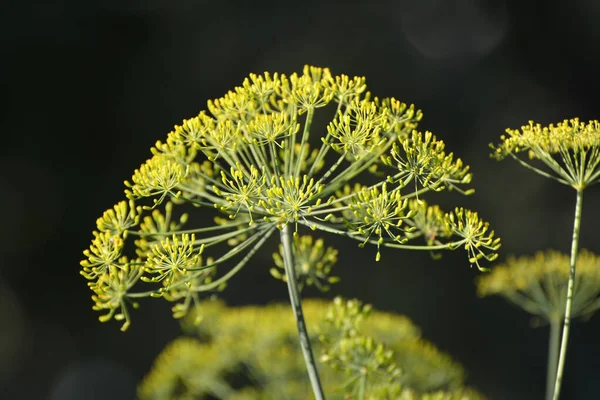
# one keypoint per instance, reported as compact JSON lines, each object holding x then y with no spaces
{"x":332,"y":169}
{"x":326,"y":228}
{"x":539,"y":171}
{"x":359,"y":166}
{"x":305,"y":133}
{"x":216,"y":283}
{"x":275,"y":161}
{"x":197,"y":230}
{"x":362,"y":387}
{"x":220,"y":389}
{"x":552,"y":356}
{"x":263,"y":234}
{"x":324,"y":145}
{"x":570,"y":287}
{"x":309,"y":360}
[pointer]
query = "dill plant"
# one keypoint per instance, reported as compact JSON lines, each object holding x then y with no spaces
{"x":258,"y":161}
{"x":538,"y":285}
{"x":249,"y":353}
{"x":569,"y":153}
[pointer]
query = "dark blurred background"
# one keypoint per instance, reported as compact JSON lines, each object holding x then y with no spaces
{"x":87,"y":87}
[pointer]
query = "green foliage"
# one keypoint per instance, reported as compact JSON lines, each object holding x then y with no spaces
{"x":256,"y":161}
{"x":252,"y":352}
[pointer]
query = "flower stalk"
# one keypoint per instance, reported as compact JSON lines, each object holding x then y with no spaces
{"x":570,"y":291}
{"x":553,"y":349}
{"x":253,"y":159}
{"x":570,"y":153}
{"x":292,"y":284}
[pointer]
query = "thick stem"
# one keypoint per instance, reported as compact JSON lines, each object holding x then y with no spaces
{"x":309,"y":360}
{"x":362,"y":387}
{"x":553,"y":344}
{"x":569,"y":304}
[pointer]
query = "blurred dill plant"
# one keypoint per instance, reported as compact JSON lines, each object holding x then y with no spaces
{"x":256,"y":160}
{"x":567,"y":152}
{"x":538,"y":285}
{"x":251,"y":352}
{"x":312,"y":263}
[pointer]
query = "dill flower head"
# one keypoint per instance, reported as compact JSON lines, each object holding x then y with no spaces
{"x":258,"y":160}
{"x":119,"y":219}
{"x":538,"y":284}
{"x":253,"y":353}
{"x":569,"y":149}
{"x":373,"y":353}
{"x":312,"y":261}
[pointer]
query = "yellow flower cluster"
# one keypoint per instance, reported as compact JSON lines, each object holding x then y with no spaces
{"x":259,"y":161}
{"x":570,"y":149}
{"x":312,"y":263}
{"x":422,"y":159}
{"x":555,"y":138}
{"x":251,"y":352}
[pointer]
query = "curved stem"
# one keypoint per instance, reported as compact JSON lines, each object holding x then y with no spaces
{"x":570,"y":287}
{"x":179,"y":232}
{"x":327,"y":228}
{"x":309,"y":360}
{"x":360,"y":166}
{"x":539,"y":171}
{"x":553,"y":344}
{"x":218,"y":282}
{"x":263,"y":234}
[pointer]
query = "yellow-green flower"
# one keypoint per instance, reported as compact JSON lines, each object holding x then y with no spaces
{"x":119,"y":219}
{"x":110,"y":293}
{"x":428,"y":222}
{"x":570,"y":150}
{"x":478,"y":240}
{"x":105,"y":250}
{"x":312,"y":261}
{"x":356,"y":131}
{"x":422,"y":159}
{"x":173,"y":257}
{"x":156,"y":227}
{"x":251,"y":352}
{"x":159,"y":176}
{"x":380,"y":213}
